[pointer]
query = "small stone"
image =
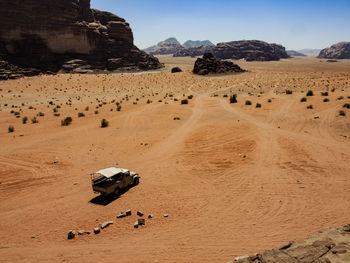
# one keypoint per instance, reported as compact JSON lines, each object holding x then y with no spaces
{"x":166,"y":215}
{"x":106,"y":224}
{"x":121,"y":215}
{"x":150,"y":216}
{"x":139,"y":213}
{"x":97,"y":230}
{"x":33,"y":236}
{"x":141,"y":221}
{"x":128,"y":213}
{"x":75,"y":183}
{"x":302,"y":187}
{"x":136,"y":225}
{"x":82,"y":233}
{"x":71,"y":234}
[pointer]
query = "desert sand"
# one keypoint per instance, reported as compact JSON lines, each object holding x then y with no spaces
{"x":234,"y":179}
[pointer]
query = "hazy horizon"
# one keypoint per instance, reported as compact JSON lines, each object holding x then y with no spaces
{"x":294,"y":24}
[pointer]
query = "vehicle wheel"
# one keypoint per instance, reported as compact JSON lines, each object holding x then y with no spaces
{"x":136,"y":181}
{"x":117,"y":191}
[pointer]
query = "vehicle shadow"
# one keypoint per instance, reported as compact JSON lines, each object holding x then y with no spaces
{"x":105,"y":200}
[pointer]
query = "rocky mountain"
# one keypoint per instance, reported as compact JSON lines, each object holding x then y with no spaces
{"x":168,"y":46}
{"x":193,"y":51}
{"x":48,"y":34}
{"x":293,"y":53}
{"x":337,"y":51}
{"x":197,"y":43}
{"x":250,"y":50}
{"x":210,"y":64}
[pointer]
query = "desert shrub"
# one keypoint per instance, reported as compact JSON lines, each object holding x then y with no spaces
{"x":149,"y":101}
{"x":80,"y":115}
{"x":258,"y":105}
{"x":55,"y":110}
{"x":67,"y":121}
{"x":190,"y":97}
{"x":41,"y":114}
{"x":346,"y":105}
{"x":24,"y":120}
{"x":57,"y":115}
{"x":119,"y":108}
{"x":87,"y":108}
{"x":225,"y":96}
{"x":342,"y":113}
{"x":248,"y":102}
{"x":324,"y":93}
{"x":11,"y":128}
{"x":176,"y":118}
{"x":35,"y":120}
{"x":310,"y":93}
{"x":104,"y":123}
{"x":326,"y":100}
{"x":269,"y":100}
{"x":333,"y":89}
{"x":233,"y":98}
{"x":288,"y":91}
{"x":175,"y":99}
{"x":96,"y":111}
{"x":310,"y":107}
{"x":185,"y":101}
{"x":340,"y":98}
{"x":303,"y":99}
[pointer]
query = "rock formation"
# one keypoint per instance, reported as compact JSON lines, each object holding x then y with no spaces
{"x":197,"y":43}
{"x":168,"y":46}
{"x":194,"y":51}
{"x":48,"y":34}
{"x":293,"y":53}
{"x":328,"y":246}
{"x":210,"y":64}
{"x":250,"y":50}
{"x":337,"y":51}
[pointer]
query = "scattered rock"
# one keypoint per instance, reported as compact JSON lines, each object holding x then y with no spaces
{"x":136,"y":224}
{"x":166,"y":215}
{"x":83,"y":232}
{"x":209,"y":64}
{"x":97,"y":230}
{"x":121,"y":215}
{"x":71,"y":234}
{"x":141,"y":221}
{"x":176,"y":70}
{"x":128,"y":213}
{"x":150,"y":216}
{"x":139,"y":213}
{"x":106,"y":224}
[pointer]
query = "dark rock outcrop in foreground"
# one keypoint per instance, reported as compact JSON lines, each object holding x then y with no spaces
{"x":194,"y":51}
{"x":293,"y":53}
{"x":337,"y":51}
{"x":48,"y":35}
{"x":331,"y":246}
{"x":210,"y":64}
{"x":250,"y":50}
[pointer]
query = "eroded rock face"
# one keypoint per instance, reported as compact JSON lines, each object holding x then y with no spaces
{"x":250,"y":50}
{"x":328,"y":246}
{"x":194,"y":51}
{"x":209,"y":64}
{"x":337,"y":51}
{"x":46,"y":34}
{"x":293,"y":53}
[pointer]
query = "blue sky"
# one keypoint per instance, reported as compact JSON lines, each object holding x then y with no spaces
{"x":295,"y":24}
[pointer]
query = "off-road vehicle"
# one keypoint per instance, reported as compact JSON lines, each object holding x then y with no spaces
{"x":112,"y":180}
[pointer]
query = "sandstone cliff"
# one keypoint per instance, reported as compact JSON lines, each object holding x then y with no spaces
{"x":250,"y":50}
{"x":46,"y":34}
{"x":337,"y":51}
{"x":193,"y":51}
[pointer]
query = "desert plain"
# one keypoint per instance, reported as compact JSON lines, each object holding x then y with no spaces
{"x":235,"y":179}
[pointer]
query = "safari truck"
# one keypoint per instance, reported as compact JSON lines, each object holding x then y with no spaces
{"x":112,"y":180}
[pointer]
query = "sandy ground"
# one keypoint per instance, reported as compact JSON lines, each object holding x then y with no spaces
{"x":234,"y":179}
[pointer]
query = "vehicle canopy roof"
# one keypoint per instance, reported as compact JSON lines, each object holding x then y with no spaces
{"x":109,"y":172}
